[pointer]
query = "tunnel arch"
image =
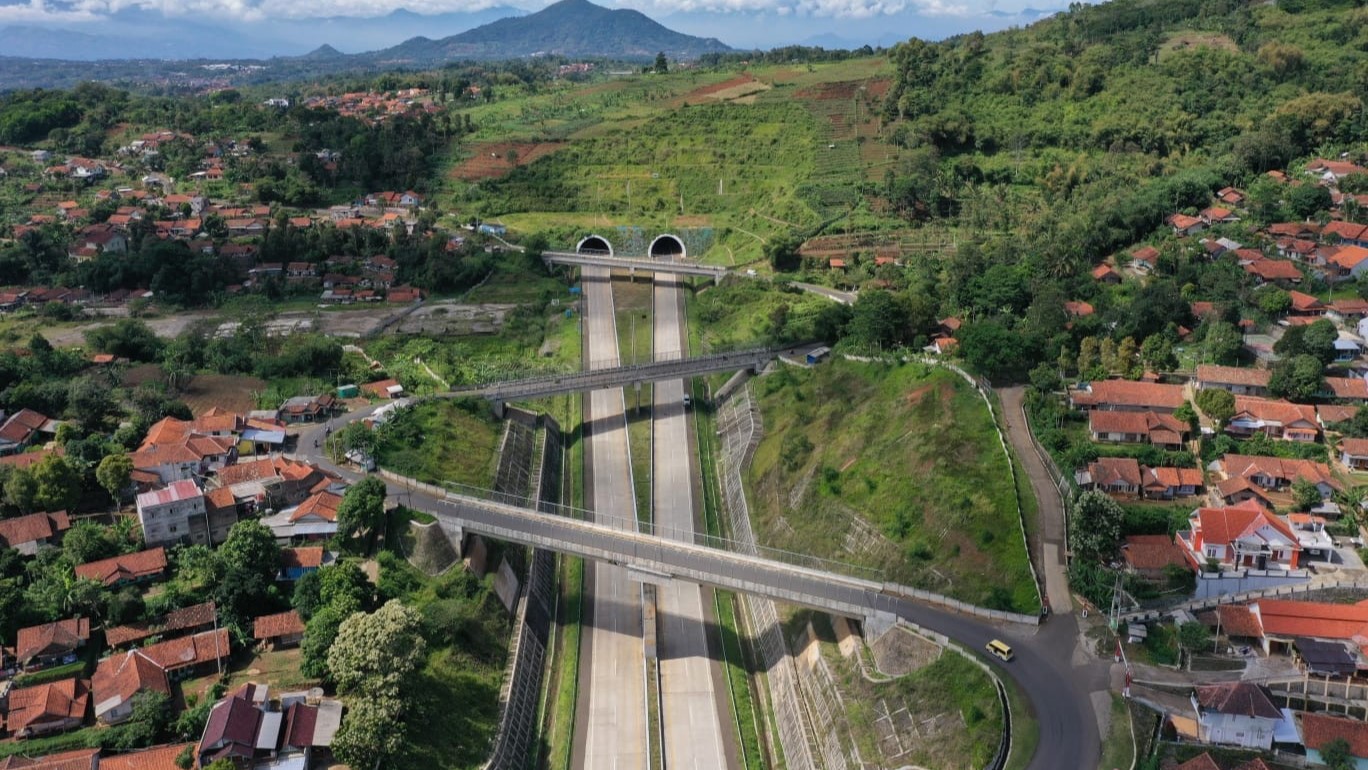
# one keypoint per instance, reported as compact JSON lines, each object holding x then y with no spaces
{"x":666,"y":246}
{"x":596,"y":244}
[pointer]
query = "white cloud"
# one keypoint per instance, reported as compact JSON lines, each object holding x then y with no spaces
{"x":38,"y":12}
{"x":61,"y":11}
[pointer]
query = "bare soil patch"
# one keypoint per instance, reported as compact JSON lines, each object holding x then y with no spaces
{"x":235,"y":393}
{"x":491,"y":160}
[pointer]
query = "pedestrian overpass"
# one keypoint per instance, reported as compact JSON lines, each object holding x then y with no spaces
{"x":665,"y":368}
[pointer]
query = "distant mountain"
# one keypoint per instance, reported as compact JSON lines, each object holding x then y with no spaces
{"x":145,"y":43}
{"x":324,"y":51}
{"x":567,"y":28}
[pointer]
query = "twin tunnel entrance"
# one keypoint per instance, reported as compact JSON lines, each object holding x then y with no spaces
{"x":667,"y":246}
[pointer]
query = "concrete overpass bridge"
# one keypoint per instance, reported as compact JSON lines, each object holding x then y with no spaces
{"x":666,"y":368}
{"x":631,"y":265}
{"x":662,"y":556}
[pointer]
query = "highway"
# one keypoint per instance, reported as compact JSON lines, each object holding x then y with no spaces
{"x":631,"y":264}
{"x":612,"y":716}
{"x":692,"y":726}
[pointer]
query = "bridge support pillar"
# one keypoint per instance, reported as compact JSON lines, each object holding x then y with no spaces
{"x":877,"y":624}
{"x":499,"y":409}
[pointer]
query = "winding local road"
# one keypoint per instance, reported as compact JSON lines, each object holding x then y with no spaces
{"x":689,"y":705}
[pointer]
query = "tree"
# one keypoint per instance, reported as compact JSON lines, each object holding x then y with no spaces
{"x":1274,"y":301}
{"x":992,"y":350}
{"x":1305,"y":495}
{"x":1157,"y":353}
{"x":148,"y":722}
{"x":1096,"y":526}
{"x":1337,"y":754}
{"x":362,"y":509}
{"x":662,"y":66}
{"x":372,"y":731}
{"x":1319,"y":340}
{"x":89,"y":401}
{"x":248,"y":562}
{"x":128,"y":338}
{"x":319,"y":634}
{"x":87,"y":541}
{"x":1298,"y":378}
{"x":378,"y":653}
{"x":1307,"y":200}
{"x":878,"y":319}
{"x":1193,"y":635}
{"x":57,"y":483}
{"x":114,"y":473}
{"x":1222,"y":343}
{"x":345,"y":585}
{"x":1218,"y":405}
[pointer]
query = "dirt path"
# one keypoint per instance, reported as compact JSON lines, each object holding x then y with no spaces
{"x":1049,"y":545}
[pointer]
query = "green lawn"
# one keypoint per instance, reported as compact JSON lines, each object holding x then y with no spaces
{"x":1118,"y":750}
{"x":443,"y":441}
{"x":898,"y":468}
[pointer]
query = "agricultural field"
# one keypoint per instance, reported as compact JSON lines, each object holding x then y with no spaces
{"x":896,"y":468}
{"x":743,"y":155}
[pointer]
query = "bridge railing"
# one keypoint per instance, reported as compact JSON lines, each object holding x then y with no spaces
{"x":604,"y":365}
{"x":631,"y":525}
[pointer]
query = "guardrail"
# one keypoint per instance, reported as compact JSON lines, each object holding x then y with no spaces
{"x":1197,"y":605}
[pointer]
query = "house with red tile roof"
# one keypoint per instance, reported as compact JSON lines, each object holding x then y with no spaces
{"x":140,"y":567}
{"x":1274,"y":271}
{"x":192,"y":456}
{"x":1078,"y":308}
{"x":186,"y":620}
{"x":78,"y":759}
{"x":1275,"y":419}
{"x":155,"y":758}
{"x":1353,"y":453}
{"x":1105,"y":274}
{"x":120,"y":677}
{"x":190,"y":655}
{"x":1330,"y":414}
{"x":1124,"y":395}
{"x":47,"y":708}
{"x":283,"y":629}
{"x":275,"y":480}
{"x":1150,"y":555}
{"x":1145,"y":259}
{"x":1319,"y":730}
{"x":1244,"y":536}
{"x":313,"y":519}
{"x":50,"y":643}
{"x":1346,"y":389}
{"x":1119,"y":476}
{"x":389,"y":388}
{"x":1163,"y":430}
{"x":1275,"y":473}
{"x":28,"y":534}
{"x":1167,"y":483}
{"x":299,"y":561}
{"x":1217,"y":216}
{"x":1183,"y":224}
{"x":1238,"y":380}
{"x":20,"y":429}
{"x":1236,"y":714}
{"x":1202,"y":761}
{"x":1332,"y":171}
{"x":1349,"y":261}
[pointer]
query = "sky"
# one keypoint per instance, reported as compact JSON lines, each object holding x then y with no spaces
{"x":740,"y":23}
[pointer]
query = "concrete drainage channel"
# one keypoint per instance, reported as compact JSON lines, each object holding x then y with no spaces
{"x":519,"y":700}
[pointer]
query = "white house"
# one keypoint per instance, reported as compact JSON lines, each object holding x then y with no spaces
{"x":1236,"y":714}
{"x":174,"y":513}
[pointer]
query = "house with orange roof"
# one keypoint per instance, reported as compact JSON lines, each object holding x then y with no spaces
{"x":120,"y":677}
{"x":1354,"y":453}
{"x":140,"y":567}
{"x":188,"y":656}
{"x":1127,"y":396}
{"x":1346,"y":389}
{"x":1184,"y":225}
{"x":1105,"y":274}
{"x":1349,"y":261}
{"x":155,"y":758}
{"x":1163,"y":430}
{"x":1274,"y":271}
{"x":28,"y":534}
{"x":1167,"y":483}
{"x":283,"y":629}
{"x":298,"y":561}
{"x":20,"y":430}
{"x":313,"y":519}
{"x":1331,"y":171}
{"x":47,"y":708}
{"x":1318,"y":731}
{"x":1151,"y":555}
{"x":1145,"y":259}
{"x":1275,"y":473}
{"x":1244,"y":536}
{"x":51,"y":643}
{"x":192,"y":619}
{"x":1276,"y":419}
{"x":1238,"y":380}
{"x":1117,"y":476}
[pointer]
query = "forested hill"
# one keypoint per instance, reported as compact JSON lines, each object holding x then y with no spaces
{"x":1056,"y":146}
{"x":567,"y":28}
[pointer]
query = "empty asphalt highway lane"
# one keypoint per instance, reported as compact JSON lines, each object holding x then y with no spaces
{"x":688,"y":700}
{"x":615,"y":719}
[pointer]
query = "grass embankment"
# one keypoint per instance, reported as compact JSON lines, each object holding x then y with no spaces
{"x":739,"y":666}
{"x":1118,"y":749}
{"x":894,"y":467}
{"x":633,"y":307}
{"x":443,"y":441}
{"x":945,"y":713}
{"x":743,"y":312}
